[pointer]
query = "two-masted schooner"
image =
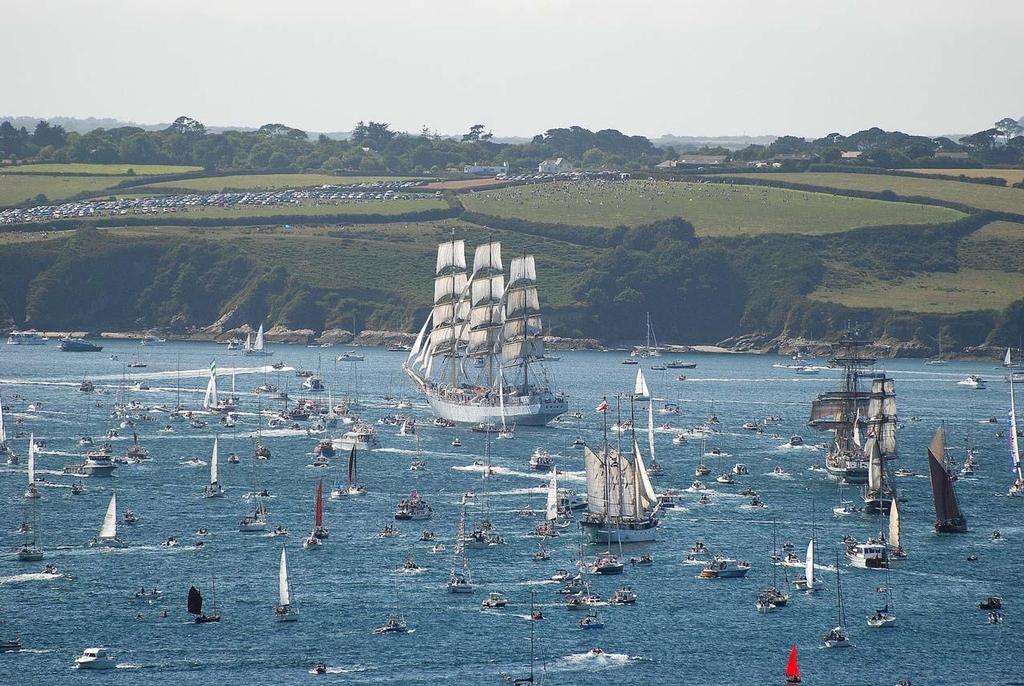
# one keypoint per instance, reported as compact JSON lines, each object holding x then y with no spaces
{"x":479,"y":356}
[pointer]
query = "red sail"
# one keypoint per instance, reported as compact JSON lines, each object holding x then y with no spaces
{"x":319,"y":504}
{"x":793,"y":667}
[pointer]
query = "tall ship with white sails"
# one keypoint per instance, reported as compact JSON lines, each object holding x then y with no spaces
{"x":479,"y":356}
{"x":880,"y":445}
{"x":842,"y":412}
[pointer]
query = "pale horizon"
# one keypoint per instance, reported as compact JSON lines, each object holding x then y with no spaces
{"x":739,"y":68}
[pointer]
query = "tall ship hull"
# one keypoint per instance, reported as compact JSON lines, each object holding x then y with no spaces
{"x":643,"y":531}
{"x":479,"y":357}
{"x":536,"y":411}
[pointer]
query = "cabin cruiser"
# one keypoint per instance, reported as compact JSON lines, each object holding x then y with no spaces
{"x":874,"y":554}
{"x":493,"y":601}
{"x":95,"y":658}
{"x":837,"y":638}
{"x":973,"y":381}
{"x":740,"y":469}
{"x":96,"y":463}
{"x":541,"y":460}
{"x":726,"y":479}
{"x":78,"y":345}
{"x":667,"y":500}
{"x":395,"y":624}
{"x":77,"y":488}
{"x":607,"y":564}
{"x":591,"y":621}
{"x":413,"y":508}
{"x":624,"y":595}
{"x":721,"y":567}
{"x":129,"y":517}
{"x":796,"y":440}
{"x":351,"y":356}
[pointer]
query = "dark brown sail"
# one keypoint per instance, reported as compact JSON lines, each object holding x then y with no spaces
{"x":195,"y":601}
{"x":948,"y":517}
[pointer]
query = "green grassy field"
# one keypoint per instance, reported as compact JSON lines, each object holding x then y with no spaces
{"x":214,"y":184}
{"x":396,"y":257}
{"x":1011,"y":175}
{"x":15,"y":188}
{"x":938,"y":292}
{"x":99,"y":169}
{"x":971,"y":194}
{"x":714,"y":209}
{"x":999,"y":245}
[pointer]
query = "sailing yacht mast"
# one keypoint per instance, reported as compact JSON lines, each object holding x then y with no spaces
{"x":1017,"y":488}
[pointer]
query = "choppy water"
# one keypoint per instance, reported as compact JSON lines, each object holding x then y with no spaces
{"x":682,"y":630}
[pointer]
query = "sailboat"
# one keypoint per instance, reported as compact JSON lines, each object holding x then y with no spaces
{"x":534,"y":615}
{"x":837,"y":637}
{"x":257,"y":347}
{"x":948,"y":517}
{"x":30,"y":550}
{"x":284,"y":611}
{"x":648,"y":350}
{"x":840,"y":412}
{"x":459,"y":580}
{"x":214,"y":489}
{"x":108,"y":532}
{"x":395,"y":623}
{"x":653,"y":468}
{"x":621,"y":502}
{"x":195,"y":605}
{"x":320,"y":532}
{"x":32,"y":491}
{"x":351,"y":487}
{"x":793,"y":668}
{"x":880,"y":446}
{"x":1017,"y":487}
{"x":257,"y":521}
{"x":260,"y":451}
{"x":937,"y":360}
{"x":478,"y":318}
{"x":5,"y":450}
{"x":884,"y":617}
{"x":772,"y":597}
{"x":807,"y":582}
{"x":895,"y":541}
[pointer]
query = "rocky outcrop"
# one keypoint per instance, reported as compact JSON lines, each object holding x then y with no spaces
{"x":559,"y":343}
{"x":282,"y":334}
{"x":791,"y":345}
{"x":384,"y":338}
{"x":335,"y":336}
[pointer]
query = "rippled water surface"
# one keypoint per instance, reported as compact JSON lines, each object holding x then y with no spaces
{"x":681,"y":630}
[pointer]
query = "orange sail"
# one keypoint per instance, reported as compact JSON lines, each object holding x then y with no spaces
{"x":792,"y":668}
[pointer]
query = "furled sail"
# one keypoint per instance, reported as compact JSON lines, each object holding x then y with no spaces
{"x":109,"y":528}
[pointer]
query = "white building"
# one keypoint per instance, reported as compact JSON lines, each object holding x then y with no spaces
{"x":485,"y":170}
{"x":556,"y":166}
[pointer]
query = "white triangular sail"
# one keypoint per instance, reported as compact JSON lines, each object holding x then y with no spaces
{"x":109,"y":528}
{"x":645,"y":489}
{"x":551,"y":513}
{"x":809,"y":564}
{"x":258,"y":344}
{"x":213,"y":463}
{"x":31,"y":459}
{"x":248,"y":341}
{"x":640,"y":389}
{"x":1015,"y":465}
{"x":283,"y":592}
{"x":210,"y":400}
{"x":3,"y":431}
{"x":894,"y":525}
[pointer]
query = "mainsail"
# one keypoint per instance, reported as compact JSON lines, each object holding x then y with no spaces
{"x":895,"y":529}
{"x":258,"y":344}
{"x":213,"y":463}
{"x":551,"y":511}
{"x":318,"y":507}
{"x":3,"y":431}
{"x":284,"y":593}
{"x":31,"y":459}
{"x":195,"y":601}
{"x":1015,"y":467}
{"x":210,"y":400}
{"x":948,"y":517}
{"x":809,"y":565}
{"x":640,"y":389}
{"x":109,"y":528}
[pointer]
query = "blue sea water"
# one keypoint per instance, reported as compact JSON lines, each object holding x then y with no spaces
{"x":682,"y":630}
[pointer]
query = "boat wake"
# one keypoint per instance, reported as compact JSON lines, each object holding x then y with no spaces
{"x":344,"y":670}
{"x":29,"y":576}
{"x":589,"y":660}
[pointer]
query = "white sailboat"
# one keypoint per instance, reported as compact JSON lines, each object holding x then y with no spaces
{"x":30,"y":550}
{"x":257,"y":347}
{"x":108,"y":532}
{"x":640,"y":389}
{"x":284,"y":611}
{"x":1017,"y":487}
{"x":5,"y":450}
{"x":32,"y":491}
{"x":895,"y":532}
{"x":808,"y":582}
{"x":214,"y":489}
{"x":351,"y":487}
{"x":210,"y":399}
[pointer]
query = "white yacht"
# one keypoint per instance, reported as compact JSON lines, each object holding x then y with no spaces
{"x":721,"y":567}
{"x":283,"y":611}
{"x":108,"y":532}
{"x":95,"y":658}
{"x":29,"y":337}
{"x":973,"y":381}
{"x":871,"y":555}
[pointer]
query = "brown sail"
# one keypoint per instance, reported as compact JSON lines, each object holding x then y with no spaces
{"x":948,"y":517}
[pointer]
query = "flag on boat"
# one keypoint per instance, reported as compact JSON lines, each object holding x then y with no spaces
{"x":603,"y":407}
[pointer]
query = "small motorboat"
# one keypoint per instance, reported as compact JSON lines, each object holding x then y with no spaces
{"x":410,"y":565}
{"x":202,"y":531}
{"x":319,"y":668}
{"x":704,"y":499}
{"x":394,"y":625}
{"x":796,"y":440}
{"x":171,"y":542}
{"x":643,"y":560}
{"x":740,"y":469}
{"x":438,"y":548}
{"x":997,"y":535}
{"x":726,"y":479}
{"x":77,"y":488}
{"x":456,"y":443}
{"x":993,"y":602}
{"x":881,"y":618}
{"x":427,"y":536}
{"x":591,"y":621}
{"x":973,"y":381}
{"x":493,"y":601}
{"x":624,"y":595}
{"x":280,"y":531}
{"x":129,"y":517}
{"x":95,"y":658}
{"x":12,"y":646}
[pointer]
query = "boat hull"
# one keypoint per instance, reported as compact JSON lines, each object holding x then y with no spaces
{"x":600,"y":533}
{"x":538,"y":413}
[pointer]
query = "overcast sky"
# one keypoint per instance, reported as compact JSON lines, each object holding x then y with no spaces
{"x":522,"y":66}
